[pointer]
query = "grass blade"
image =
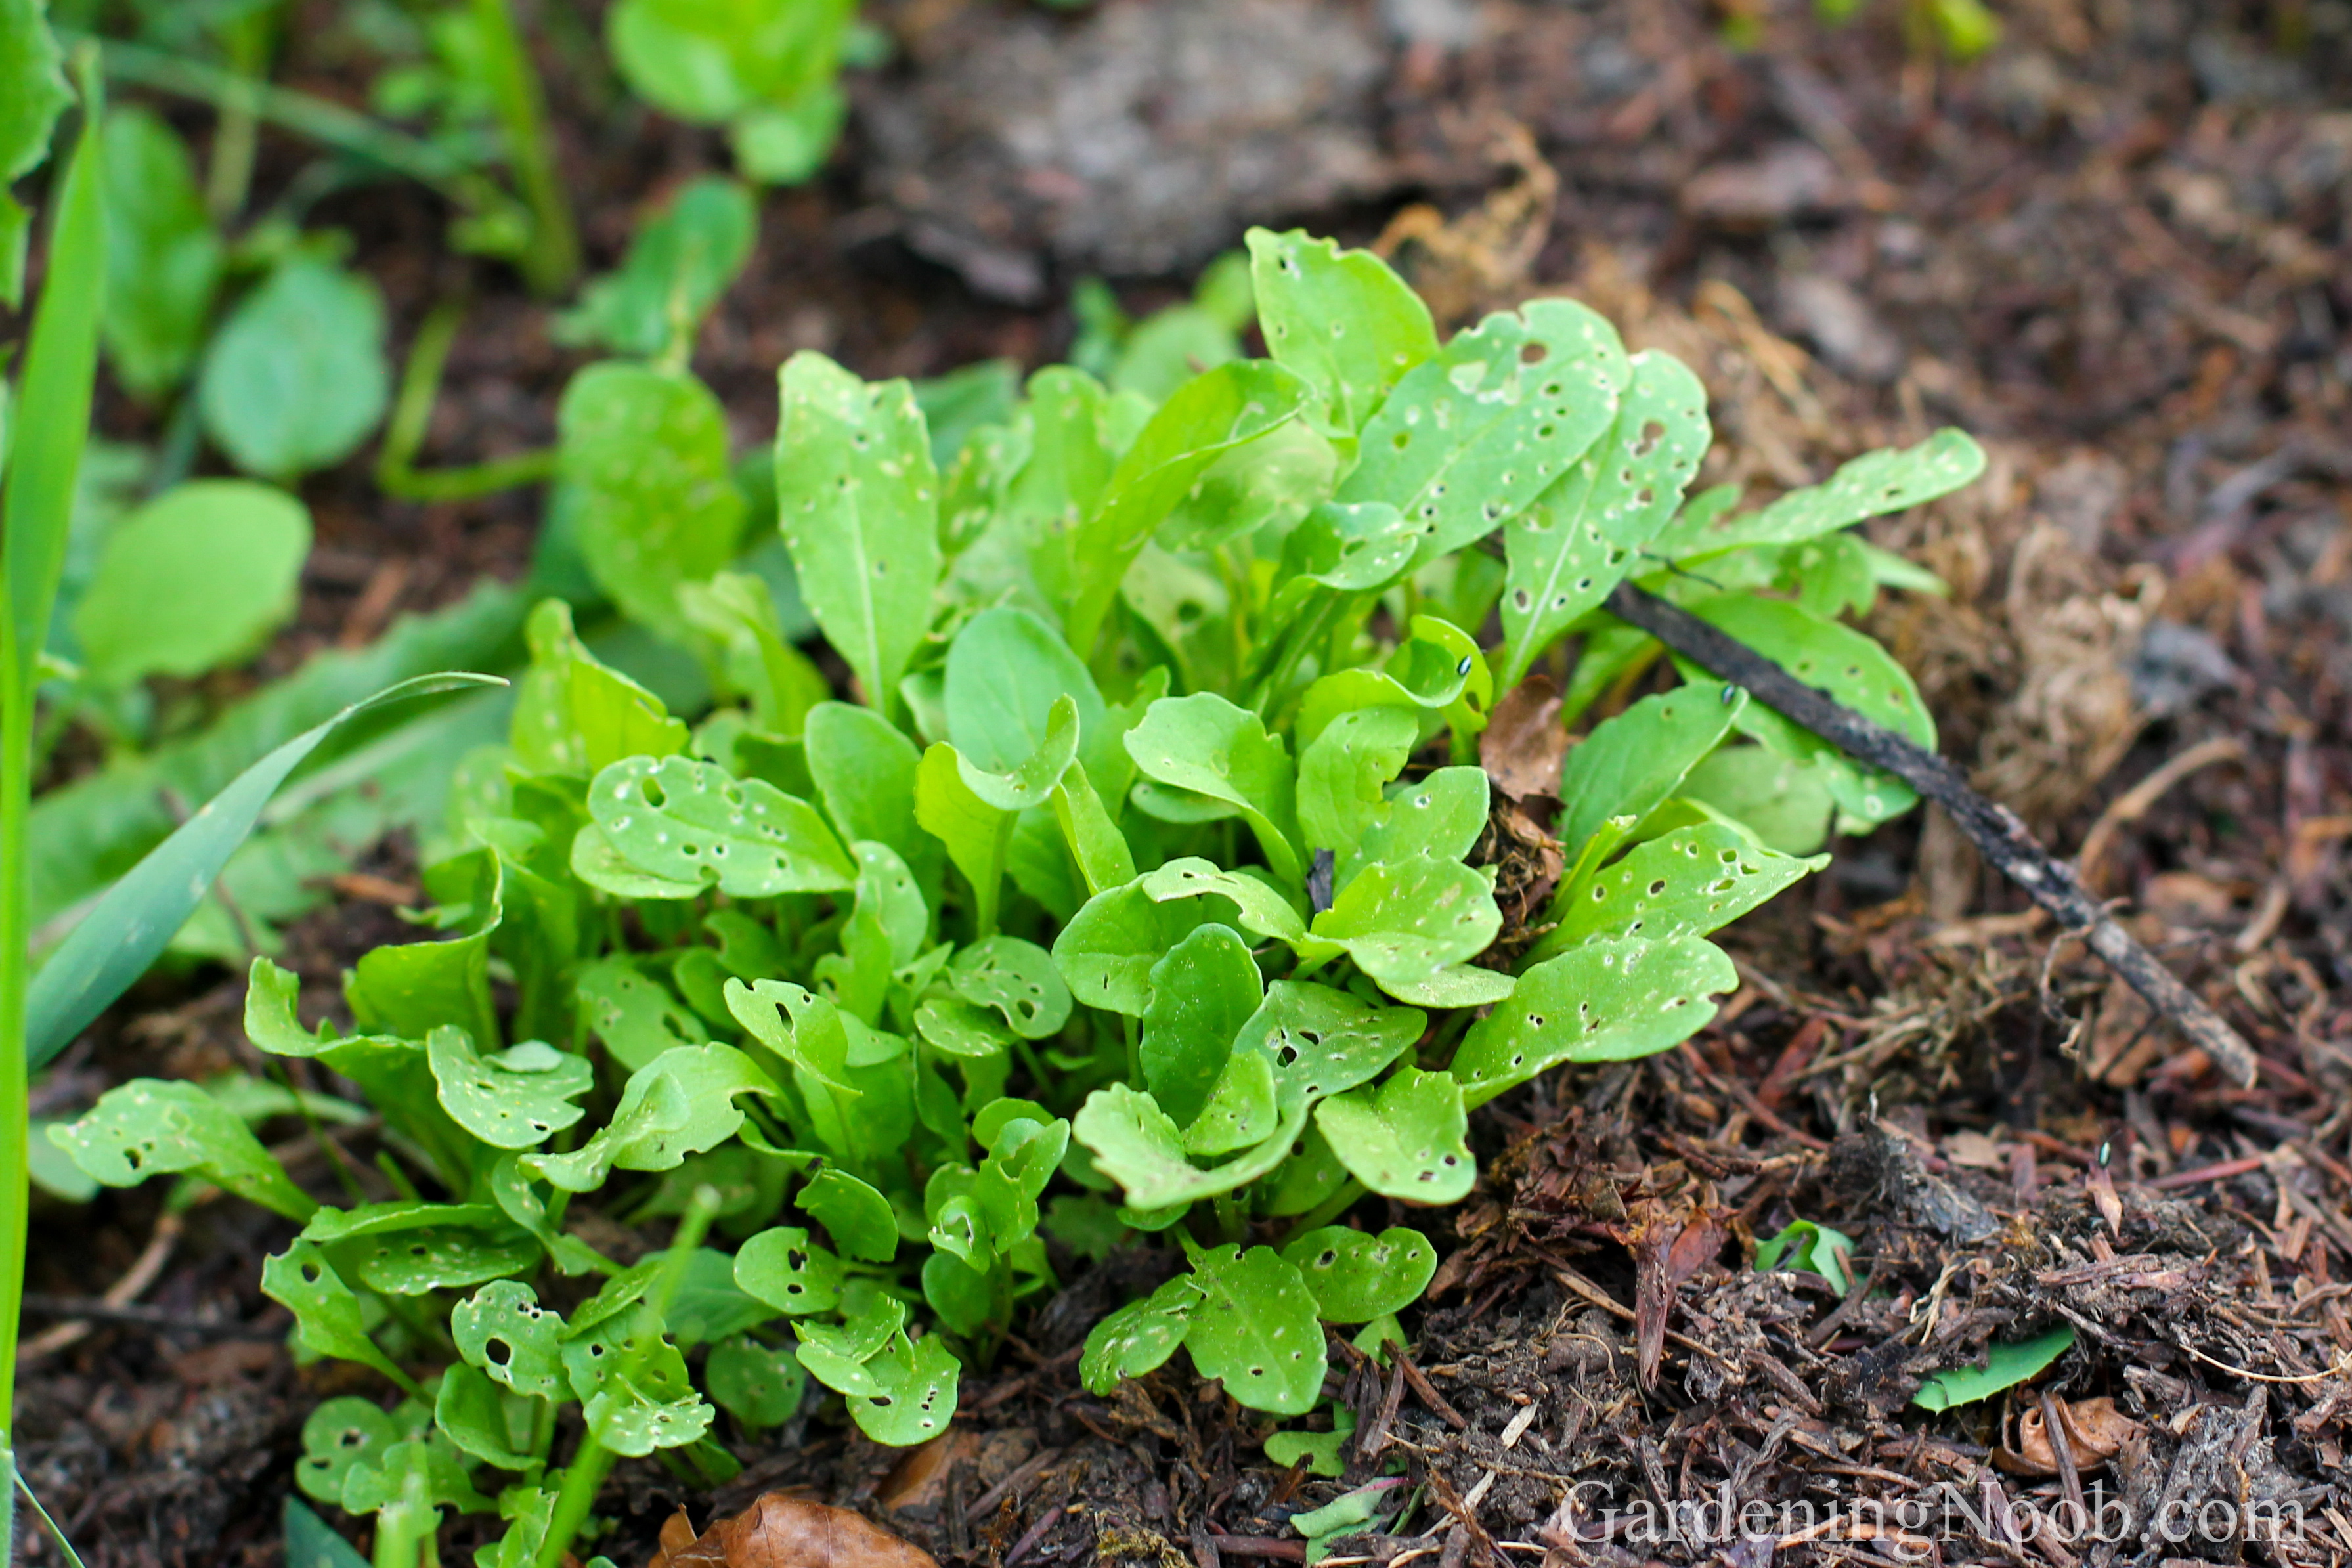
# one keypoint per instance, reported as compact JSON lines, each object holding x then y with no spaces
{"x":136,"y":919}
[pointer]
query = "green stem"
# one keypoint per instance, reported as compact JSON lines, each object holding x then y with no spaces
{"x":1326,"y":1211}
{"x":396,"y":473}
{"x":323,"y":122}
{"x":583,"y":1479}
{"x":553,"y":261}
{"x":237,"y":134}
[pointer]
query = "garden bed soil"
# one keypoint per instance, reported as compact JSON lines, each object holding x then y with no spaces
{"x":2116,"y":250}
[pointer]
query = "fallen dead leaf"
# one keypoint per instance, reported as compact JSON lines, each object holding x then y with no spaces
{"x":1523,"y":741}
{"x":780,"y":1532}
{"x":1977,"y":1150}
{"x":2096,"y":1432}
{"x":920,"y":1479}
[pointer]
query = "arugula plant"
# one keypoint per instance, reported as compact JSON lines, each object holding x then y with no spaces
{"x":768,"y":71}
{"x":1134,"y":892}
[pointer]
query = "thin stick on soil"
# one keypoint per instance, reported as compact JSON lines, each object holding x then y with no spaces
{"x":1995,"y":829}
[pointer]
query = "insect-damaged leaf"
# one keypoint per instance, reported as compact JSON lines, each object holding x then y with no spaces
{"x":1630,"y":764}
{"x":1106,"y":950}
{"x":644,"y":452}
{"x":1848,"y":666}
{"x":1141,"y":1336}
{"x":150,"y":1127}
{"x":1404,"y":1139}
{"x":857,"y":497}
{"x":1255,"y":1330}
{"x":326,"y":1314}
{"x":689,"y":823}
{"x":632,"y":1385}
{"x":1871,"y":485}
{"x":1685,"y":884}
{"x":1137,"y":1145}
{"x":514,"y":1099}
{"x":1409,"y":924}
{"x":915,"y":1396}
{"x":784,"y":1269}
{"x":858,"y":1219}
{"x":1579,"y":538}
{"x":681,"y":1103}
{"x":1341,"y":774}
{"x":502,"y":1330}
{"x":1356,"y":1276}
{"x":1605,"y":1001}
{"x":759,"y":1385}
{"x":1015,"y":978}
{"x":1473,"y":435}
{"x":634,"y":1015}
{"x":1342,"y":320}
{"x":1004,"y":671}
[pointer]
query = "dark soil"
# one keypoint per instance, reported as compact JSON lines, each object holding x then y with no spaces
{"x":2117,"y":250}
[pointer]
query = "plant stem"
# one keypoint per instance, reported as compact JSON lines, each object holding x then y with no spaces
{"x":1326,"y":1211}
{"x":420,"y":384}
{"x":553,"y":261}
{"x":323,"y":122}
{"x":236,"y":133}
{"x":583,"y":1479}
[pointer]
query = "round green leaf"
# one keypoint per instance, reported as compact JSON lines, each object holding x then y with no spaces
{"x":859,"y":1219}
{"x":341,"y":1434}
{"x":441,"y":1259}
{"x":197,"y":578}
{"x":782,"y":1267}
{"x":504,"y":1330}
{"x":759,"y":1385}
{"x":1256,"y":1330}
{"x":1018,"y":979}
{"x":1405,"y":1139}
{"x":1139,"y":1336}
{"x":514,"y":1099}
{"x":1202,"y":992}
{"x":296,"y":378}
{"x":916,"y":1392}
{"x":1357,"y":1277}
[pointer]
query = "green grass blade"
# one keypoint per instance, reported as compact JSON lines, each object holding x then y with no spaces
{"x":113,"y":946}
{"x":53,"y":403}
{"x":311,"y":1542}
{"x":73,"y":1558}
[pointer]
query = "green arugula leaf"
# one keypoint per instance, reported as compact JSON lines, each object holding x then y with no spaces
{"x":1141,"y":1336}
{"x":681,"y":1103}
{"x":484,"y":1423}
{"x":1137,"y":1145}
{"x":1786,"y":803}
{"x":857,"y":497}
{"x":163,"y":256}
{"x":1341,"y":319}
{"x":326,"y":1318}
{"x":858,"y":1219}
{"x":149,"y":1127}
{"x":1255,"y":1330}
{"x":1202,"y":992}
{"x":915,"y":1391}
{"x":644,"y":452}
{"x":1357,"y":1277}
{"x":198,"y":578}
{"x":517,"y":1099}
{"x":1406,"y":1139}
{"x":1631,"y":764}
{"x":2006,"y":1366}
{"x":1686,"y":883}
{"x":759,"y":1385}
{"x":865,"y":772}
{"x":1222,"y":756}
{"x":503,"y":1331}
{"x":689,"y":823}
{"x":633,"y":1014}
{"x":1605,"y":1001}
{"x":784,"y":1268}
{"x":1018,"y":979}
{"x":575,"y":716}
{"x":1410,"y":924}
{"x":678,"y":264}
{"x":1868,"y":487}
{"x":1577,"y":541}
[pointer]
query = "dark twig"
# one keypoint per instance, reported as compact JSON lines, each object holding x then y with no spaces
{"x":102,"y":1310}
{"x":1994,"y":828}
{"x":1425,"y":1393}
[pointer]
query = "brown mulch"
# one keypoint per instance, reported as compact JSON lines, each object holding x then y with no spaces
{"x":2117,"y":250}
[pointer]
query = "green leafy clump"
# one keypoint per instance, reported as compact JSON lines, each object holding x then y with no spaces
{"x":1135,"y":894}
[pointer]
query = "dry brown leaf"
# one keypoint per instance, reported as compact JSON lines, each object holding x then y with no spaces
{"x":1524,"y":740}
{"x":2095,"y":1431}
{"x":780,"y":1531}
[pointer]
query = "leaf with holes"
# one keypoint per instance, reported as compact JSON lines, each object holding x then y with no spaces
{"x":1569,"y":549}
{"x":1357,"y":1277}
{"x":1852,"y":669}
{"x":1022,"y":1156}
{"x":688,"y":823}
{"x":858,"y":498}
{"x":1105,"y":953}
{"x":642,"y":453}
{"x":1438,"y":817}
{"x":503,"y":1331}
{"x":1355,"y":547}
{"x":633,"y":1385}
{"x":680,"y":1103}
{"x":1205,"y":746}
{"x":1686,"y":883}
{"x":759,"y":1385}
{"x":326,"y":1318}
{"x":1256,"y":1330}
{"x":1258,"y":909}
{"x":440,"y":1257}
{"x":149,"y":1127}
{"x":1606,"y":1001}
{"x":858,"y":1219}
{"x":1870,"y":486}
{"x":1342,"y":320}
{"x":1321,"y":1041}
{"x":1018,"y":979}
{"x":1202,"y":992}
{"x":1631,"y":764}
{"x":1136,"y":1145}
{"x":1786,"y":803}
{"x":1404,"y":1139}
{"x":347,"y":1433}
{"x":1138,"y":1337}
{"x":634,"y":1015}
{"x":574,"y":715}
{"x":1408,"y":924}
{"x":1240,"y":1112}
{"x":915,"y":1395}
{"x":1473,"y":435}
{"x":517,"y":1099}
{"x":784,"y":1268}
